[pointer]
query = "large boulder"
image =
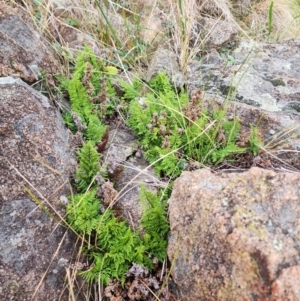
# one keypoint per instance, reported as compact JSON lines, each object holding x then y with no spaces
{"x":235,"y":236}
{"x":259,"y":74}
{"x":259,"y":84}
{"x":22,"y":50}
{"x":35,"y":164}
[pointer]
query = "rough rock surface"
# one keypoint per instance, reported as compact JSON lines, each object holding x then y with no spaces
{"x":34,"y":156}
{"x":165,"y":60}
{"x":261,"y":75}
{"x":214,"y":8}
{"x":261,"y":85}
{"x":22,"y":51}
{"x":235,"y":236}
{"x":242,"y":8}
{"x":278,"y":131}
{"x":130,"y":170}
{"x":215,"y":33}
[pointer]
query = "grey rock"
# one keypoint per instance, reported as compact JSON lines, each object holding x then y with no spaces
{"x":214,"y":33}
{"x":22,"y":51}
{"x":136,"y":173}
{"x":129,"y":171}
{"x":235,"y":236}
{"x":35,"y":160}
{"x":242,"y":8}
{"x":166,"y":60}
{"x":262,"y":75}
{"x":213,"y":8}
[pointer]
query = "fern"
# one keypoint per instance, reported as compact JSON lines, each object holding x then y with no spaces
{"x":91,"y":92}
{"x":117,"y":246}
{"x":131,"y":91}
{"x":79,"y":99}
{"x":88,"y":165}
{"x":155,"y":223}
{"x":221,"y":154}
{"x":83,"y":212}
{"x":113,"y":245}
{"x":161,"y":84}
{"x":173,"y":129}
{"x":95,"y":129}
{"x":68,"y":121}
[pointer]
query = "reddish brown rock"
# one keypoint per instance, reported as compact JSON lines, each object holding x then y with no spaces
{"x":35,"y":165}
{"x":236,"y":236}
{"x":22,"y":51}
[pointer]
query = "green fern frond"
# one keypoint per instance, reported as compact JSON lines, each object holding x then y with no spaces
{"x":95,"y":129}
{"x":79,"y":99}
{"x":131,"y":91}
{"x":161,"y":83}
{"x":83,"y":212}
{"x":154,"y":222}
{"x":88,"y":165}
{"x":68,"y":121}
{"x":221,"y":154}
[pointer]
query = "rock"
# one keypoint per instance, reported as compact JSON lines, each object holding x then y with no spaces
{"x":165,"y":60}
{"x":35,"y":164}
{"x":129,"y":171}
{"x":214,"y":33}
{"x":261,"y":75}
{"x":242,"y":8}
{"x":260,"y":88}
{"x":213,"y":8}
{"x":152,"y":28}
{"x":22,"y":51}
{"x":72,"y":39}
{"x":136,"y":173}
{"x":34,"y":142}
{"x":235,"y":236}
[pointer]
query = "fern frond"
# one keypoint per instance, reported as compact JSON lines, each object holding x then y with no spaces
{"x":222,"y":153}
{"x":161,"y":83}
{"x":88,"y":165}
{"x":79,"y":99}
{"x":95,"y":129}
{"x":131,"y":91}
{"x":83,"y":212}
{"x":154,"y":222}
{"x":68,"y":121}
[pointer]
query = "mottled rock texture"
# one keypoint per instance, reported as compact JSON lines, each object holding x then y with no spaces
{"x":129,"y":171}
{"x":258,"y":74}
{"x":34,"y":156}
{"x":236,"y":236}
{"x":22,"y":51}
{"x":214,"y":33}
{"x":165,"y":60}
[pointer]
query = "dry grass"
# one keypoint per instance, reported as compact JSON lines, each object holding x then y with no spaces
{"x":130,"y":31}
{"x":286,"y":21}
